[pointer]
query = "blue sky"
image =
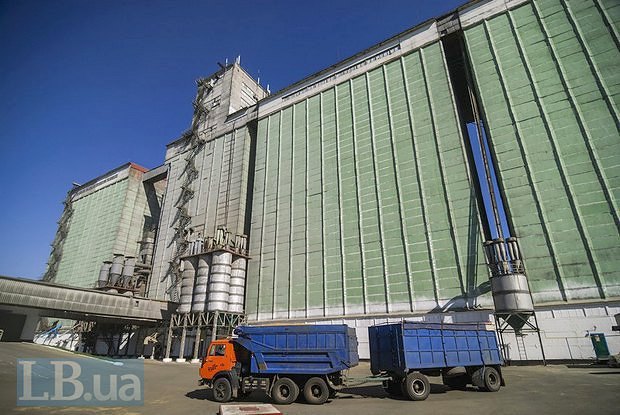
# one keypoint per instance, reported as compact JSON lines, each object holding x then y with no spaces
{"x":86,"y":86}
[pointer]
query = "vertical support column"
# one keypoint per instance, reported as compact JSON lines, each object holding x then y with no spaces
{"x":216,"y":315}
{"x":181,"y":357}
{"x":542,"y":348}
{"x":121,"y":333}
{"x":195,"y":358}
{"x":168,"y":342}
{"x":29,"y":326}
{"x":129,"y":333}
{"x":140,"y":342}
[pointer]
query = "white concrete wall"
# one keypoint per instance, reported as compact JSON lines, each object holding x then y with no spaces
{"x":564,"y":329}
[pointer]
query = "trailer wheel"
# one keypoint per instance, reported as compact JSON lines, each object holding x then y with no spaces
{"x":417,"y":386}
{"x":491,"y":379}
{"x":222,"y":391}
{"x":284,"y":391}
{"x":316,"y":391}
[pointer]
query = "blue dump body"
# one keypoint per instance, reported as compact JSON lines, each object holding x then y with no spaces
{"x":303,"y":349}
{"x":400,"y":347}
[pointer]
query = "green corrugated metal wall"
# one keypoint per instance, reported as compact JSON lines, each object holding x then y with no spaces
{"x":548,"y":74}
{"x":362,"y":201}
{"x":92,"y":234}
{"x":108,"y":221}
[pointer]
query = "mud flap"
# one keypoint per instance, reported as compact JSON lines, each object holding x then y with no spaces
{"x":501,"y":376}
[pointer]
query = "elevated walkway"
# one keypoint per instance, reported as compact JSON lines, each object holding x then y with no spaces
{"x":45,"y":299}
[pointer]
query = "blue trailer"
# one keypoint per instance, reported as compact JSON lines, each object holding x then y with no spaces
{"x":408,"y":352}
{"x":282,"y":361}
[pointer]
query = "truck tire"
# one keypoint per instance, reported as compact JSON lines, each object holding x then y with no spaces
{"x":491,"y":379}
{"x":284,"y":391}
{"x":416,"y":386}
{"x":222,"y":391}
{"x":316,"y":391}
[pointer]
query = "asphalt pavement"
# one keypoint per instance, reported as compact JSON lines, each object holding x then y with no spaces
{"x":171,"y":388}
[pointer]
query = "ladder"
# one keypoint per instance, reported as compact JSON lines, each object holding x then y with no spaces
{"x":521,"y":348}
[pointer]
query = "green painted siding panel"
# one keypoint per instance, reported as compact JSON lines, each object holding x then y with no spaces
{"x":548,"y":76}
{"x":92,"y":235}
{"x":375,"y":212}
{"x":257,"y":222}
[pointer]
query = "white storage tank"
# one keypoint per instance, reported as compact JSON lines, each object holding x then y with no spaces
{"x":187,"y":285}
{"x":219,"y":281}
{"x":237,"y":285}
{"x":199,"y":302}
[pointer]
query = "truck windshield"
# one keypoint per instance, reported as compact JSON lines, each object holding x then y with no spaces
{"x":217,"y":350}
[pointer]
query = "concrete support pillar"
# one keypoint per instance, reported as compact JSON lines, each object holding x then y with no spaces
{"x":195,"y":358}
{"x":139,"y":342}
{"x":168,"y":344}
{"x":130,"y":336}
{"x":181,"y":357}
{"x":214,"y":332}
{"x":30,"y":325}
{"x":117,"y":351}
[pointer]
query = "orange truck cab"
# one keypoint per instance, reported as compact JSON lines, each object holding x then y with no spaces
{"x":220,"y":358}
{"x":222,"y":369}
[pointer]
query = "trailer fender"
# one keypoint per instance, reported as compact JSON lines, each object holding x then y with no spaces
{"x":332,"y":385}
{"x":501,"y":375}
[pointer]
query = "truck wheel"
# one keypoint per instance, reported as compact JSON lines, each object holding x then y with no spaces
{"x":222,"y":391}
{"x":316,"y":391}
{"x":491,"y":379}
{"x":417,"y":386}
{"x":284,"y":391}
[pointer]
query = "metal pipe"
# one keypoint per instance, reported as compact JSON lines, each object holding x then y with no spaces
{"x":485,"y":159}
{"x":146,"y":250}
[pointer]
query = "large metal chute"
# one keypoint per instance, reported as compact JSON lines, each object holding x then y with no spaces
{"x":509,"y":286}
{"x":514,"y":308}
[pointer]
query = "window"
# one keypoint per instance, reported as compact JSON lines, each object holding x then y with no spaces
{"x":218,"y":350}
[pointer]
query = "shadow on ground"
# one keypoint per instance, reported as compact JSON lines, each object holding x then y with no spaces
{"x":371,"y":391}
{"x":378,"y":392}
{"x":368,"y":391}
{"x":207,"y":394}
{"x":587,"y":366}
